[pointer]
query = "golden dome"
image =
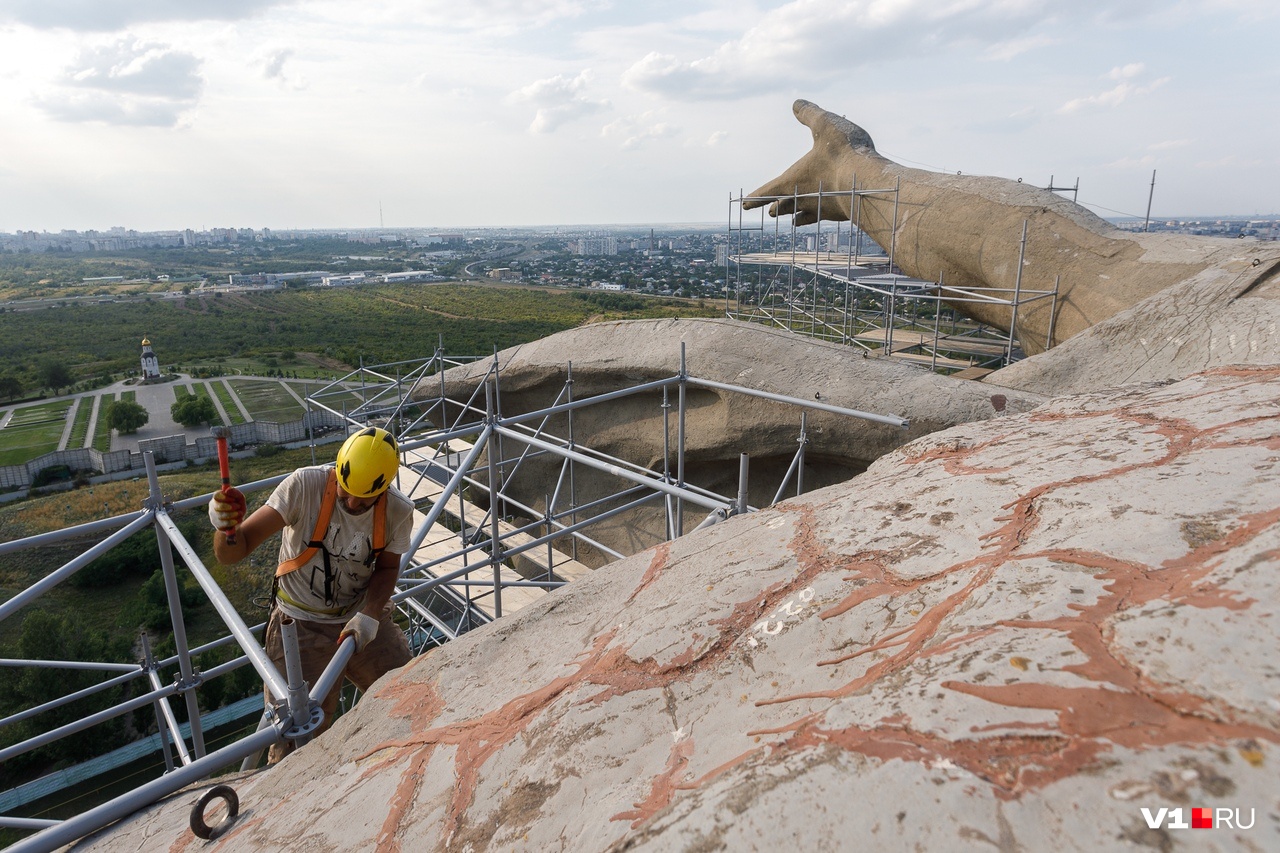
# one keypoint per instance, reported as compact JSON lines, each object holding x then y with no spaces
{"x":146,"y":343}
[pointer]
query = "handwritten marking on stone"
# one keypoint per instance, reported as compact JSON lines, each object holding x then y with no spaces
{"x":775,"y":622}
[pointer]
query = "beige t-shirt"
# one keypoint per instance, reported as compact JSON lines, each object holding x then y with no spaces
{"x":305,"y":593}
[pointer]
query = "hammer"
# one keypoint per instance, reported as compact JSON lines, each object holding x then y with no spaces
{"x":224,"y":467}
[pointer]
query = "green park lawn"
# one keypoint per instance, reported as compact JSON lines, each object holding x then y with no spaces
{"x":266,"y":400}
{"x":33,"y":431}
{"x":80,"y":429}
{"x":102,"y":432}
{"x":219,"y":389}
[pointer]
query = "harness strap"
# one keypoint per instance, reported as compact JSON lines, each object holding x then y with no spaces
{"x":322,"y":527}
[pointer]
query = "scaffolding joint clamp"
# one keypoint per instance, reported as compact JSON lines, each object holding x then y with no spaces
{"x":293,"y":732}
{"x":197,"y":678}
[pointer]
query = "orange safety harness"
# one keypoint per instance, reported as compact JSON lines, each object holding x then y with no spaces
{"x":316,"y":542}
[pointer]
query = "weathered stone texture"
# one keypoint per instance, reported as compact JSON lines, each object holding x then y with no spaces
{"x":1014,"y":633}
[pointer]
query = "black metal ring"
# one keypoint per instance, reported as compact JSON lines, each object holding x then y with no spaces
{"x":217,"y":792}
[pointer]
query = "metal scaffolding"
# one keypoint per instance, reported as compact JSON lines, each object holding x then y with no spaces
{"x":840,"y":286}
{"x":476,"y":553}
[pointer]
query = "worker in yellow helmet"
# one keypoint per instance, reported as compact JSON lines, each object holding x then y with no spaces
{"x":343,"y":530}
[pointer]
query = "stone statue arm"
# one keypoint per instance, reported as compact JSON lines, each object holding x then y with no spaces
{"x":966,"y":230}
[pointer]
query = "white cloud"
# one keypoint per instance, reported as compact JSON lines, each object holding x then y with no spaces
{"x":1235,"y":162}
{"x":1131,"y":162}
{"x":1127,"y":72}
{"x":273,"y":68}
{"x":810,"y":42}
{"x":559,"y":100}
{"x":1117,"y":94}
{"x":129,"y":82}
{"x":1169,"y":144}
{"x":107,"y":15}
{"x":635,"y":131}
{"x":1015,"y":47}
{"x":488,"y":17}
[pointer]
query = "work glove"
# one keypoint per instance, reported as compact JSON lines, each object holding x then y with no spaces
{"x":363,"y":627}
{"x":226,"y":509}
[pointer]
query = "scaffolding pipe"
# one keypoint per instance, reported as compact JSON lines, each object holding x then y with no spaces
{"x":680,"y":436}
{"x":589,"y":401}
{"x":495,"y":540}
{"x":658,"y":485}
{"x":134,"y":672}
{"x":96,"y":818}
{"x":437,"y":508}
{"x":892,"y":420}
{"x":580,"y":525}
{"x":159,"y":707}
{"x":667,"y":508}
{"x":1053,"y":308}
{"x":77,"y":532}
{"x":804,"y":441}
{"x":786,"y":478}
{"x":167,"y":724}
{"x":87,"y":722}
{"x":57,"y":576}
{"x":248,"y":644}
{"x":1017,"y":291}
{"x":26,"y":823}
{"x":105,"y":666}
{"x":188,"y":680}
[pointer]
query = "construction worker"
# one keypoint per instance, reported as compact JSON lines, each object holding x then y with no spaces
{"x":343,"y":530}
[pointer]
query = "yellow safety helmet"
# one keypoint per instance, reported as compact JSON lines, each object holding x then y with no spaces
{"x":367,"y":462}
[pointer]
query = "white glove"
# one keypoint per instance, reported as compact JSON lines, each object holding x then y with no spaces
{"x":363,"y":627}
{"x":226,"y":509}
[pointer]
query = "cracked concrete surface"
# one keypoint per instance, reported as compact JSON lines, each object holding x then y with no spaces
{"x":1015,"y":633}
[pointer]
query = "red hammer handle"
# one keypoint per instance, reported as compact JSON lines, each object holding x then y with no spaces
{"x":224,"y":467}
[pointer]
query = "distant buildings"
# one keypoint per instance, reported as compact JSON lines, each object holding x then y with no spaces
{"x":595,"y":246}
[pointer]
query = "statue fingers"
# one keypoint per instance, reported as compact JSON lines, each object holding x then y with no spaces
{"x":829,"y":128}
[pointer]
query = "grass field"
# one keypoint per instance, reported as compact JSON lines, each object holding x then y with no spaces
{"x":220,"y":389}
{"x":102,"y":432}
{"x":33,"y":431}
{"x":266,"y":400}
{"x":303,"y":366}
{"x":80,"y":429}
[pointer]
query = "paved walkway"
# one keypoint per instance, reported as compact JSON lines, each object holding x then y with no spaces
{"x":71,"y":422}
{"x":156,"y":399}
{"x":217,"y":403}
{"x":235,"y":398}
{"x":93,"y":421}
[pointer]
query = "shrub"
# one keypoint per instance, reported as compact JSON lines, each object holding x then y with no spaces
{"x":52,"y":474}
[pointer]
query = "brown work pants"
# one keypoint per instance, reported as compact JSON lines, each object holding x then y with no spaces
{"x":317,"y":641}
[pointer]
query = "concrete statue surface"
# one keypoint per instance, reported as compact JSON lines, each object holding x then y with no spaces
{"x":1018,"y":633}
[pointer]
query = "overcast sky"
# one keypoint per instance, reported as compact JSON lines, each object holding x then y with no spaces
{"x":161,"y":114}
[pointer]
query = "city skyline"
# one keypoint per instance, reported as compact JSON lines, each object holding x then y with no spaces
{"x":317,"y":115}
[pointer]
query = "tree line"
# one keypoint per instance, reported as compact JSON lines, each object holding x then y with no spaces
{"x":57,"y":348}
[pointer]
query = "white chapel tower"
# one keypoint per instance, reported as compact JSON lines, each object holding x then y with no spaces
{"x":150,"y":364}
